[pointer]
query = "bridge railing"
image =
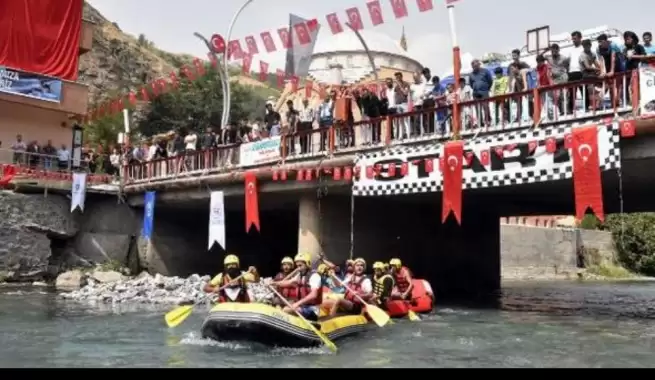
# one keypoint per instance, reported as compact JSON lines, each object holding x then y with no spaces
{"x":610,"y":96}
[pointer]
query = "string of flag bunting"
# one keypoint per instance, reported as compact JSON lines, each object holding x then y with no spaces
{"x":234,"y":50}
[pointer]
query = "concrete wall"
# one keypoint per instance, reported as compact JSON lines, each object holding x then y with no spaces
{"x":533,"y":252}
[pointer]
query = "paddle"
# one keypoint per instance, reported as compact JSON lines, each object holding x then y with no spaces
{"x":379,"y":316}
{"x":326,"y":341}
{"x":176,"y":316}
{"x":413,"y":316}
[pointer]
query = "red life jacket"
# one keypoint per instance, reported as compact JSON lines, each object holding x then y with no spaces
{"x":401,"y":279}
{"x":356,"y":287}
{"x":243,"y":291}
{"x":303,"y":289}
{"x":289,"y":293}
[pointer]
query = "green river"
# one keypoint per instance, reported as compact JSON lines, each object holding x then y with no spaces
{"x":534,"y":325}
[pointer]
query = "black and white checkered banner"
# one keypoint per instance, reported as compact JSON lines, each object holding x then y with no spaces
{"x":509,"y":159}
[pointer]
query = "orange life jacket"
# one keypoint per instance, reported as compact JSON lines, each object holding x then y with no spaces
{"x":400,"y":277}
{"x":289,"y":293}
{"x":243,"y":291}
{"x":356,"y":288}
{"x":303,"y":289}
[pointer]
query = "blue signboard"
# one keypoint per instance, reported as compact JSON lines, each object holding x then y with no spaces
{"x":35,"y":86}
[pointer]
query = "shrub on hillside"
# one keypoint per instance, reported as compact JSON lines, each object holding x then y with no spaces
{"x":634,"y":240}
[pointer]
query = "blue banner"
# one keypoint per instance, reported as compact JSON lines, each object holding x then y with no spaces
{"x":34,"y":86}
{"x":148,"y":215}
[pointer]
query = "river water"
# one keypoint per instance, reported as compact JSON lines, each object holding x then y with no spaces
{"x":534,"y":325}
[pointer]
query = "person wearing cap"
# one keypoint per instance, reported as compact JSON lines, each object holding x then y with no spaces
{"x":231,"y":284}
{"x":403,"y":279}
{"x":308,"y":286}
{"x":359,"y":287}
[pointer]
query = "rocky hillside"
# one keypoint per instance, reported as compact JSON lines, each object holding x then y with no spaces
{"x":120,"y":62}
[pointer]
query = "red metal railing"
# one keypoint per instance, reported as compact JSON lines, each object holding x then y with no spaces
{"x":610,"y":96}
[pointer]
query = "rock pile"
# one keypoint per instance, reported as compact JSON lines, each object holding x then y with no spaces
{"x":112,"y":287}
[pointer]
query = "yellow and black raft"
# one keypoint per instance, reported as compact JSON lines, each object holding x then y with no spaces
{"x":270,"y":326}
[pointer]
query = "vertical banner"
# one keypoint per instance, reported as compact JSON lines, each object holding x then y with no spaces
{"x":252,"y":203}
{"x":453,"y":160}
{"x":587,"y":186}
{"x":217,"y":220}
{"x":148,"y":215}
{"x":78,"y":192}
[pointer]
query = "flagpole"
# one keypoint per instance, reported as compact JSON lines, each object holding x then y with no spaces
{"x":226,"y":96}
{"x":221,"y":74}
{"x":457,"y":67}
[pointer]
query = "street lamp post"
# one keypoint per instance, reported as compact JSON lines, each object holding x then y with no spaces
{"x":224,"y":78}
{"x":457,"y":66}
{"x":227,"y":93}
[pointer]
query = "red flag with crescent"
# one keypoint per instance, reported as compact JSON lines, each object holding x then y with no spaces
{"x":252,"y":203}
{"x":587,"y":185}
{"x":452,"y":180}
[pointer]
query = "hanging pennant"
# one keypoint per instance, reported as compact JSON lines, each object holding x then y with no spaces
{"x":234,"y":50}
{"x":424,"y":5}
{"x":263,"y":71}
{"x":200,"y":66}
{"x":280,"y":78}
{"x":252,"y":203}
{"x":174,"y":81}
{"x":246,"y":63}
{"x":334,"y":23}
{"x":354,"y":18}
{"x":375,"y":11}
{"x":212,"y":60}
{"x":252,"y":45}
{"x":217,"y":220}
{"x":452,"y":180}
{"x":312,"y":25}
{"x":399,"y":8}
{"x":269,"y":44}
{"x":148,"y":214}
{"x":285,"y":37}
{"x":78,"y":191}
{"x":587,"y":185}
{"x":294,"y":83}
{"x":302,"y":33}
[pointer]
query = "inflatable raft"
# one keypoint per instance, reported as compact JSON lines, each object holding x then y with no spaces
{"x":270,"y":326}
{"x":422,"y":301}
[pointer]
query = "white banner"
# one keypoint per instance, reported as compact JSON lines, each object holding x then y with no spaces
{"x":259,"y":152}
{"x":647,"y":90}
{"x":78,"y":192}
{"x":216,"y":220}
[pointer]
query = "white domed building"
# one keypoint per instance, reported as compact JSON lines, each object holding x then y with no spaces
{"x":344,"y":52}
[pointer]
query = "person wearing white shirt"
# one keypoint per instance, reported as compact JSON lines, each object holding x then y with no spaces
{"x":359,"y":286}
{"x":152,"y":151}
{"x":63,"y":156}
{"x":310,"y":289}
{"x":306,"y":122}
{"x":575,"y":71}
{"x":418,"y":96}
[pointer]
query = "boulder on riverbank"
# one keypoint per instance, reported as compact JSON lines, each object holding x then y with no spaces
{"x":71,"y":280}
{"x":148,"y":289}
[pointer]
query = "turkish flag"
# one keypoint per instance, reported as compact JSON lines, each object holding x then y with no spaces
{"x":628,"y":128}
{"x":587,"y":185}
{"x":294,"y":83}
{"x":302,"y":32}
{"x":312,"y":24}
{"x":309,"y":85}
{"x":252,"y":45}
{"x":280,"y":78}
{"x":452,"y":180}
{"x":285,"y":37}
{"x":200,"y":66}
{"x":217,"y":43}
{"x":335,"y":24}
{"x":269,"y":44}
{"x":174,"y":81}
{"x":399,"y":8}
{"x":354,"y":18}
{"x":424,"y":5}
{"x":132,"y":98}
{"x":375,"y":11}
{"x":246,"y":64}
{"x":252,"y":203}
{"x":404,"y":169}
{"x":213,"y":60}
{"x":263,"y":71}
{"x":234,"y":50}
{"x":337,"y":174}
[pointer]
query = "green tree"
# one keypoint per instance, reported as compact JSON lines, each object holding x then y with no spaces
{"x":634,"y":240}
{"x":198,"y":104}
{"x":104,"y":131}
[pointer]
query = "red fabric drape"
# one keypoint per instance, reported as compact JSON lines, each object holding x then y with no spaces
{"x":252,"y":202}
{"x":41,"y":36}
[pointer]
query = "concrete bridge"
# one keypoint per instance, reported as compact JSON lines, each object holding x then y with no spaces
{"x":524,"y":168}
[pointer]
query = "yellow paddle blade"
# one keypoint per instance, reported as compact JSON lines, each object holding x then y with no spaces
{"x":326,"y":341}
{"x":379,"y":316}
{"x":413,"y":316}
{"x":178,"y":315}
